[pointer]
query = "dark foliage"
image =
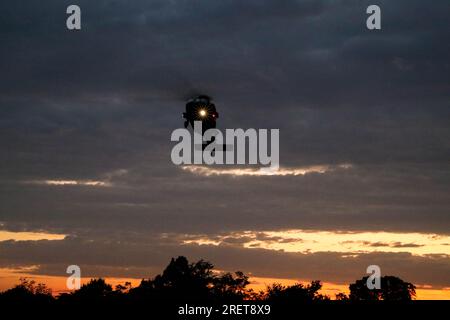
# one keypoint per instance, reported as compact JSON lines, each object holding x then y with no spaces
{"x":295,"y":293}
{"x":392,"y":289}
{"x":27,"y":292}
{"x":184,"y":282}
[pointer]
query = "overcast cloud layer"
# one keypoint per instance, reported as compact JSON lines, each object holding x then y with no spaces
{"x":99,"y":105}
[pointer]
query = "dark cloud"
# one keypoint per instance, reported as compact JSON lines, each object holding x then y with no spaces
{"x":377,"y":244}
{"x":356,"y":199}
{"x":406,"y":245}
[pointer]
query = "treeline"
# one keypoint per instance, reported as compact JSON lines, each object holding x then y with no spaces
{"x":184,"y":282}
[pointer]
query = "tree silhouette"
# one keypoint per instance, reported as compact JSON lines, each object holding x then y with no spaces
{"x":231,"y":288}
{"x":123,"y":289}
{"x":295,"y":293}
{"x":95,"y":289}
{"x":392,"y":289}
{"x":341,"y":297}
{"x":179,"y":280}
{"x":28,"y":291}
{"x":185,"y":282}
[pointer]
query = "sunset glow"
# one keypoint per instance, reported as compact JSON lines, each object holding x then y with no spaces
{"x":301,"y":171}
{"x":346,"y":242}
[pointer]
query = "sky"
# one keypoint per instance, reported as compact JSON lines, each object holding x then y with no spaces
{"x":86,"y":117}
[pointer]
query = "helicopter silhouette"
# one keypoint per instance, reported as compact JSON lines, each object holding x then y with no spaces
{"x":201,"y":108}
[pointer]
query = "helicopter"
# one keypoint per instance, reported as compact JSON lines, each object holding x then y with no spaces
{"x":201,"y":108}
{"x":201,"y":115}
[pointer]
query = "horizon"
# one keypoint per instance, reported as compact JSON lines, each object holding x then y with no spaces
{"x":257,"y":284}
